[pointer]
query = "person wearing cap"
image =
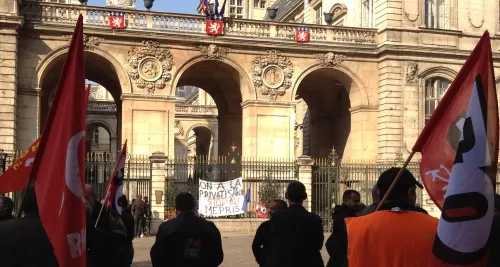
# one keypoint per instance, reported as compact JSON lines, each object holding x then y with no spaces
{"x":399,"y":234}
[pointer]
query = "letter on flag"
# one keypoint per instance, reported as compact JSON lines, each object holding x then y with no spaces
{"x":59,"y":166}
{"x":17,"y":175}
{"x":462,"y":135}
{"x":114,"y":190}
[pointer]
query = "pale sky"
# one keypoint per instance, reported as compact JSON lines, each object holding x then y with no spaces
{"x":172,"y":6}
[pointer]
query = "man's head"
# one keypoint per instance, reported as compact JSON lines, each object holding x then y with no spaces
{"x":277,"y":204}
{"x":404,"y":190}
{"x":375,"y":194}
{"x":296,"y":193}
{"x":90,"y":194}
{"x":351,"y":198}
{"x":146,"y":199}
{"x":123,"y":201}
{"x":139,"y":197}
{"x":184,"y":202}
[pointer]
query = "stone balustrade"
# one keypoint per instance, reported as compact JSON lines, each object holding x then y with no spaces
{"x":101,"y":106}
{"x":37,"y":12}
{"x":195,"y":109}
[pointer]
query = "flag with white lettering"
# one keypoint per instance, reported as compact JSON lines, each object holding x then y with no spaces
{"x":17,"y":175}
{"x":59,"y":166}
{"x":114,"y":190}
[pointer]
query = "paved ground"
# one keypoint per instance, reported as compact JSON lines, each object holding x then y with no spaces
{"x":237,"y":251}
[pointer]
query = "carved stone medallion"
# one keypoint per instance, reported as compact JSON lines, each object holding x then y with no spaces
{"x":411,"y":73}
{"x":330,"y":59}
{"x":272,"y":74}
{"x":179,"y":130}
{"x":150,"y":65}
{"x":213,"y":51}
{"x":89,"y":42}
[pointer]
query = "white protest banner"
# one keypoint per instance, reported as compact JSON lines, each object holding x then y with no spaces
{"x":221,"y":198}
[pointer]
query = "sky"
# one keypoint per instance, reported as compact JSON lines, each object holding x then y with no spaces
{"x":172,"y":6}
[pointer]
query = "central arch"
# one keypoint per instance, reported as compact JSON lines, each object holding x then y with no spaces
{"x":228,"y":85}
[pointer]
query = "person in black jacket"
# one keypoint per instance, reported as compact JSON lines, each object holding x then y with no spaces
{"x":296,"y":235}
{"x":128,"y":221}
{"x":349,"y":208}
{"x":260,"y":244}
{"x":187,"y":240}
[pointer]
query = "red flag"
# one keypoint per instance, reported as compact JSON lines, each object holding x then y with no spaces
{"x":117,"y":20}
{"x":439,"y":139}
{"x":260,"y":210}
{"x":302,"y":35}
{"x":17,"y":175}
{"x":214,"y":27}
{"x":59,"y":165}
{"x":462,"y":136}
{"x":114,"y":190}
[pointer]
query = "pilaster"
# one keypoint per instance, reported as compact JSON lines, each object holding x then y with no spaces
{"x":305,"y":164}
{"x":158,"y":160}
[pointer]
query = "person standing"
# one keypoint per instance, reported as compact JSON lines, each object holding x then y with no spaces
{"x":187,"y":240}
{"x":139,"y":210}
{"x":260,"y":244}
{"x":128,"y":221}
{"x":349,"y":208}
{"x":399,"y":234}
{"x":6,"y":208}
{"x":147,"y":218}
{"x":296,"y":235}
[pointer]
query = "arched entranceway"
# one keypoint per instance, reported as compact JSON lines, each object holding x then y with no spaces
{"x":323,"y":113}
{"x":223,"y":83}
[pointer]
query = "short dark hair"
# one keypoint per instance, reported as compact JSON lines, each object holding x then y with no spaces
{"x":296,"y":191}
{"x":123,"y":199}
{"x":280,"y":204}
{"x":184,"y":201}
{"x":347,"y":194}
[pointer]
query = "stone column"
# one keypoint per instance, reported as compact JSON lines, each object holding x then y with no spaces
{"x":305,"y":176}
{"x":157,"y":202}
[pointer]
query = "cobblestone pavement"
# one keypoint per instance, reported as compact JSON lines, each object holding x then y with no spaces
{"x":237,"y":251}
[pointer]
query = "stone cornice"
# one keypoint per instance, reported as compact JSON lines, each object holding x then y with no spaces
{"x":267,"y":103}
{"x":11,"y":21}
{"x":363,"y":108}
{"x":28,"y":91}
{"x":415,"y":50}
{"x":142,"y":97}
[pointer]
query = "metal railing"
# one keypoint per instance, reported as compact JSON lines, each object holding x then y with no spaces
{"x":101,"y":106}
{"x":36,"y":12}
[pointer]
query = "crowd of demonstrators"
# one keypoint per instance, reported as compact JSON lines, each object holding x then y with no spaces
{"x":187,"y":240}
{"x":260,"y":244}
{"x":6,"y":208}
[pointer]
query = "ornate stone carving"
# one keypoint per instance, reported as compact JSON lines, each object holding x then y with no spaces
{"x":411,"y":73}
{"x":89,"y":42}
{"x":330,"y":59}
{"x":272,"y":74}
{"x":150,"y":65}
{"x":213,"y":51}
{"x":121,"y":3}
{"x":97,"y":93}
{"x":179,"y":130}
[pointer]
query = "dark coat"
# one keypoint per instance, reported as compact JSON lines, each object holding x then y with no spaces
{"x":336,"y":245}
{"x":494,"y":256}
{"x":296,"y":238}
{"x":369,"y":209}
{"x":187,"y":241}
{"x":25,"y":244}
{"x":7,"y":217}
{"x":128,"y":221}
{"x":260,"y":244}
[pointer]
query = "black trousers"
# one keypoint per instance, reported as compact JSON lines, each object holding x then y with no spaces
{"x":139,"y":225}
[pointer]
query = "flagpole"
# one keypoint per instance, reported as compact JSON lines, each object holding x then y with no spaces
{"x":400,"y":173}
{"x":102,"y":207}
{"x":20,"y":210}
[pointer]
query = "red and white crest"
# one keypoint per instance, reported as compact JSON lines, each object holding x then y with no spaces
{"x":117,"y":20}
{"x":214,"y":27}
{"x":302,"y":35}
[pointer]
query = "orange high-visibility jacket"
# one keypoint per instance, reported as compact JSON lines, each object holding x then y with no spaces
{"x":390,"y":239}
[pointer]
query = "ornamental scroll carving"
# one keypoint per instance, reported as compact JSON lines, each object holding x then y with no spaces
{"x":213,"y":51}
{"x":330,"y":59}
{"x":272,"y":74}
{"x":89,"y":42}
{"x":411,"y":73}
{"x":150,"y":65}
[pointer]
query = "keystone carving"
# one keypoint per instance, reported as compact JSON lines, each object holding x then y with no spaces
{"x":411,"y":73}
{"x":330,"y":59}
{"x":89,"y":42}
{"x":213,"y":51}
{"x":150,"y":65}
{"x":272,"y":74}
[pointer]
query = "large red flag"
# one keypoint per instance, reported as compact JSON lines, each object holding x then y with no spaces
{"x":58,"y":169}
{"x":114,"y":190}
{"x":462,"y":136}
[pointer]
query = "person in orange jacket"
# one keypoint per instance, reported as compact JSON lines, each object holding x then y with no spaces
{"x":399,"y":234}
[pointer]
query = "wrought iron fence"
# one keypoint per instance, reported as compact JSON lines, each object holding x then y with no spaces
{"x":266,"y":178}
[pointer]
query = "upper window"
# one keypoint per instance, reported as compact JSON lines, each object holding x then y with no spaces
{"x":259,"y":3}
{"x":319,"y":15}
{"x":437,"y":14}
{"x":367,"y":14}
{"x":435,"y":88}
{"x":236,"y":8}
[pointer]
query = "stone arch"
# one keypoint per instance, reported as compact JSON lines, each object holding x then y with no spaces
{"x":439,"y":71}
{"x":201,"y":125}
{"x":250,"y":92}
{"x":345,"y":75}
{"x":103,"y":124}
{"x":46,"y":63}
{"x":338,"y":9}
